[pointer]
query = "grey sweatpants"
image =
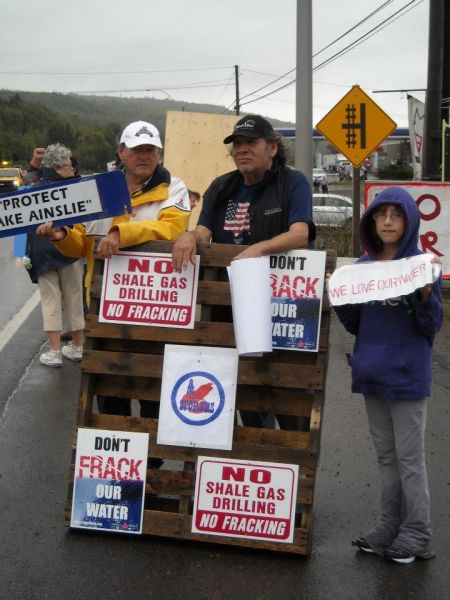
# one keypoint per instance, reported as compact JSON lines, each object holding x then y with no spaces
{"x":397,"y":428}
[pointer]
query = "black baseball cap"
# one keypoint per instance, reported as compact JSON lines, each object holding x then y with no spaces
{"x":251,"y":126}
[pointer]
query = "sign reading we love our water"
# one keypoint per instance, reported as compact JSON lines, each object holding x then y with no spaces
{"x":381,"y":280}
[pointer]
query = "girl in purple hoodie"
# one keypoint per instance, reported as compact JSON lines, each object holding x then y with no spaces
{"x":391,"y":367}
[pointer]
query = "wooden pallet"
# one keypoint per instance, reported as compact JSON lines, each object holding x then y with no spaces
{"x":126,"y":361}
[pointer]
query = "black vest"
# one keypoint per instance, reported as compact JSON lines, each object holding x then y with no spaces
{"x":268,"y":210}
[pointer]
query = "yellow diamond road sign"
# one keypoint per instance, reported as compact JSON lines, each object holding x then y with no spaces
{"x":356,"y":125}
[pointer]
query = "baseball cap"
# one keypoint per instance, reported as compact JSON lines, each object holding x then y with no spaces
{"x":140,"y":133}
{"x":251,"y":126}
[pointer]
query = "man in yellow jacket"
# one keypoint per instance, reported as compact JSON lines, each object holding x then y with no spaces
{"x":160,"y":211}
{"x":160,"y":203}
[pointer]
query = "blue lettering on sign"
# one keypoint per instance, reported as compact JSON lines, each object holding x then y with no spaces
{"x":198,"y":398}
{"x":65,"y":203}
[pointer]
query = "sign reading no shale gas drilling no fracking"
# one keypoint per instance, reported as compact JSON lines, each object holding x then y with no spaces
{"x":141,"y":288}
{"x":64,"y":203}
{"x":254,"y":500}
{"x":356,"y":125}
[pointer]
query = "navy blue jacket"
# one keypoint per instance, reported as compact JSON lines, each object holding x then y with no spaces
{"x":392,"y":352}
{"x":43,"y":254}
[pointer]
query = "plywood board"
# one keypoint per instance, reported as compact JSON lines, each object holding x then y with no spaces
{"x":194,"y":149}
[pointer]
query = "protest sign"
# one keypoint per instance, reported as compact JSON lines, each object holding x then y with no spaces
{"x":381,"y":280}
{"x":433,"y":201}
{"x":109,"y":480}
{"x":250,"y":299}
{"x":64,"y":203}
{"x":198,"y":395}
{"x":243,"y":499}
{"x":141,"y":288}
{"x":297,"y":279}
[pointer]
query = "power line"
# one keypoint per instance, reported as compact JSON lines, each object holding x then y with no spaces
{"x":370,"y":33}
{"x":319,"y":52}
{"x":204,"y":84}
{"x":183,"y":70}
{"x":357,"y":42}
{"x":354,"y":27}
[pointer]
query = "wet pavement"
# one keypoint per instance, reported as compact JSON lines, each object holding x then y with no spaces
{"x":41,"y":559}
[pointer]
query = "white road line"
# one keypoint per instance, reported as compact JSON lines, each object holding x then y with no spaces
{"x":19,"y":318}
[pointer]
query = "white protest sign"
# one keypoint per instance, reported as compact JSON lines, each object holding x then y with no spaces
{"x":380,"y":280}
{"x":198,"y":395}
{"x":141,"y":288}
{"x":109,"y":480}
{"x":297,"y":280}
{"x":35,"y":206}
{"x":254,"y":500}
{"x":250,"y":299}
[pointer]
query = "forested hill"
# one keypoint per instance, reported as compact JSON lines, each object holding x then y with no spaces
{"x":89,"y":125}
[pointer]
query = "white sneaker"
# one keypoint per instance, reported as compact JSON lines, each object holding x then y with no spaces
{"x":73,"y":352}
{"x":52,"y":358}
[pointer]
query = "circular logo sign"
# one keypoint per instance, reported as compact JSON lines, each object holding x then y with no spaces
{"x":197,"y":398}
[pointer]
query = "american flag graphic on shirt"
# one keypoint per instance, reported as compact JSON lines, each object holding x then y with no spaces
{"x":236,"y":218}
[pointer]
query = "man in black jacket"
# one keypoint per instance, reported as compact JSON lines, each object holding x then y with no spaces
{"x":263,"y":204}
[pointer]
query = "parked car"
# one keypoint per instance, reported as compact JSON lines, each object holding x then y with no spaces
{"x":10,"y":179}
{"x":331,"y":210}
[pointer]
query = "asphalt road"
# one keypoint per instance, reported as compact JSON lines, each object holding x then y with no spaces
{"x":40,"y":559}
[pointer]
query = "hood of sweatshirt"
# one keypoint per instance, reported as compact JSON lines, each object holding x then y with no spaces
{"x":397,"y":196}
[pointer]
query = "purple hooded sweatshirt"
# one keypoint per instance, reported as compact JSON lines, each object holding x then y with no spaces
{"x":392,"y":352}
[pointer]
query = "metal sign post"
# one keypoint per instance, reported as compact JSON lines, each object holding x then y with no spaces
{"x":356,"y":189}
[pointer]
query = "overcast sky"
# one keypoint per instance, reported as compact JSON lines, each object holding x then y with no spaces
{"x":188,"y":49}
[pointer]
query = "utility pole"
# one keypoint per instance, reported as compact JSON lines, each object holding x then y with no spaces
{"x":303,"y":120}
{"x":237,"y":107}
{"x":432,"y":124}
{"x":445,"y":112}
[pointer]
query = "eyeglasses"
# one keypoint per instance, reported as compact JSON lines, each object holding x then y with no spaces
{"x":394,"y":216}
{"x":67,"y":166}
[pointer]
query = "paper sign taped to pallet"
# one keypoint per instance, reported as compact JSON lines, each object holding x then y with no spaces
{"x":109,"y":480}
{"x":141,"y":288}
{"x":277,"y":301}
{"x":253,"y":500}
{"x":381,"y":280}
{"x":198,"y":395}
{"x":297,"y":279}
{"x":64,"y":203}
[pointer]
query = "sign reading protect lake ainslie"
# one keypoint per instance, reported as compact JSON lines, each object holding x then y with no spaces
{"x":64,"y":203}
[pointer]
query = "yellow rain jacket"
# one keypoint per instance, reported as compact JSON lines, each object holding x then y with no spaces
{"x":160,"y":211}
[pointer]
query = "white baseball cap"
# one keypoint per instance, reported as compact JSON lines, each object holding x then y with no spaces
{"x":140,"y":133}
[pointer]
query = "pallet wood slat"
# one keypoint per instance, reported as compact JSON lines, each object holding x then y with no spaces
{"x":126,"y":361}
{"x":251,"y":372}
{"x":251,"y":398}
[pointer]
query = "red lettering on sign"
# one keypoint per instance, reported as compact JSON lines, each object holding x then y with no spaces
{"x":237,"y":474}
{"x":138,"y":264}
{"x":437,"y":206}
{"x":428,"y":240}
{"x":163,"y":267}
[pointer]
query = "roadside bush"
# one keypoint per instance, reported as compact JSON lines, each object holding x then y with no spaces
{"x":395,"y":172}
{"x":338,"y":238}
